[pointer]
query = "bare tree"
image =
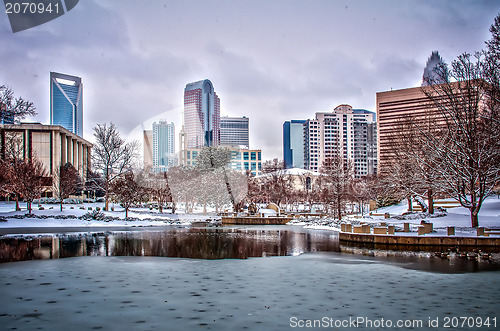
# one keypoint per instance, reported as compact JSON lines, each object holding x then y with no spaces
{"x":256,"y":191}
{"x":212,"y":158}
{"x":156,"y":187}
{"x":69,"y":182}
{"x":363,"y":190}
{"x":111,"y":156}
{"x":13,"y":109}
{"x":94,"y":182}
{"x":12,"y":155}
{"x":275,"y":183}
{"x":182,"y":184}
{"x":415,"y":174}
{"x":466,"y":151}
{"x":492,"y":65}
{"x":337,"y":175}
{"x":5,"y":178}
{"x":127,"y":191}
{"x":29,"y":178}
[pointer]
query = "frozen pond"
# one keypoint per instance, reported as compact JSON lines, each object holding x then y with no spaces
{"x":231,"y":290}
{"x":186,"y":242}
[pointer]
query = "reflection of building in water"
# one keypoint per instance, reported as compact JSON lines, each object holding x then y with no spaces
{"x":186,"y":243}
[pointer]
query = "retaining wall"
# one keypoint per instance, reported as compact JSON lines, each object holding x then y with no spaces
{"x":255,"y":220}
{"x":398,"y":241}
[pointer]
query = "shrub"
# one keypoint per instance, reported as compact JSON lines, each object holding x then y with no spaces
{"x":95,"y":215}
{"x":386,"y":201}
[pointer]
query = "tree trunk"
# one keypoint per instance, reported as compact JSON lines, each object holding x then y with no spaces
{"x":28,"y":205}
{"x":106,"y":195}
{"x":61,"y":205}
{"x":17,"y":203}
{"x":474,"y":219}
{"x":430,"y":200}
{"x":410,"y":205}
{"x":339,"y":208}
{"x":228,"y":187}
{"x":126,"y":213}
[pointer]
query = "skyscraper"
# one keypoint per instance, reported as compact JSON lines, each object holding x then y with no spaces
{"x":234,"y":131}
{"x":344,"y":131}
{"x":201,"y":114}
{"x":163,"y":146}
{"x":432,"y":73}
{"x":293,"y":143}
{"x":66,"y":102}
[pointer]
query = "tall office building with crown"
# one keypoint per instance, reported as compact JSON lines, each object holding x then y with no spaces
{"x":433,"y":73}
{"x":201,"y":114}
{"x":66,"y":102}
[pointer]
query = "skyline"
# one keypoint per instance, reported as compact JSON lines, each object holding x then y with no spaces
{"x":269,"y":61}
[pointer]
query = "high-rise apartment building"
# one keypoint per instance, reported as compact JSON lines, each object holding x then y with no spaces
{"x":293,"y":143}
{"x":371,"y":143}
{"x":163,"y":146}
{"x":234,"y":131}
{"x":344,"y":131}
{"x":66,"y":102}
{"x":201,"y":115}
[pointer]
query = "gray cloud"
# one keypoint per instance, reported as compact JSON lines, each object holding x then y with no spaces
{"x":269,"y":60}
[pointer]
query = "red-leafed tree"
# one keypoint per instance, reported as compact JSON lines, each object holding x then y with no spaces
{"x":126,"y":190}
{"x":29,"y":178}
{"x":70,"y":182}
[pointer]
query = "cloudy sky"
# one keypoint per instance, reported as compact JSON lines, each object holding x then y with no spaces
{"x":269,"y":60}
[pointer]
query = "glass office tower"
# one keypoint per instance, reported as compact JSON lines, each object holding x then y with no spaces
{"x":293,"y":144}
{"x":163,"y":146}
{"x":66,"y":102}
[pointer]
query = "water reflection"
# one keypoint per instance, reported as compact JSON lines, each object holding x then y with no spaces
{"x":185,"y":243}
{"x":423,"y":260}
{"x":226,"y":243}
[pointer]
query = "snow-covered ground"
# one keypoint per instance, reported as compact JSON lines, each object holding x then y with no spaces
{"x":459,"y":217}
{"x":73,"y":215}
